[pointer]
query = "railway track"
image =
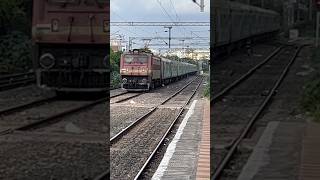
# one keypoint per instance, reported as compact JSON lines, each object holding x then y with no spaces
{"x":238,"y":106}
{"x":11,"y":121}
{"x":16,"y":80}
{"x":149,"y":131}
{"x":123,"y":97}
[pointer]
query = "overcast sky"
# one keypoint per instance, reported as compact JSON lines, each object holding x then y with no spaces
{"x":159,"y":11}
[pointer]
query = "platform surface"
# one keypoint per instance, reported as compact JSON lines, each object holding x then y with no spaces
{"x":277,"y":155}
{"x":181,"y":157}
{"x":310,"y":158}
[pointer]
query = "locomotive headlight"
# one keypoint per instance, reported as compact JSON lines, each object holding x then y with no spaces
{"x":47,"y":61}
{"x":105,"y":26}
{"x":124,"y":80}
{"x":55,"y":25}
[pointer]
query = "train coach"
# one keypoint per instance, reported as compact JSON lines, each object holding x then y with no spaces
{"x":235,"y":23}
{"x":142,"y":71}
{"x":70,"y":45}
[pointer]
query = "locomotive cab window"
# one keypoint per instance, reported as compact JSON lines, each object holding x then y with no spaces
{"x":96,"y":2}
{"x":64,"y":1}
{"x":135,"y":60}
{"x":101,"y":1}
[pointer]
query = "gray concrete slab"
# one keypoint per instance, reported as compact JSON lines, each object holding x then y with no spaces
{"x":277,"y":154}
{"x":180,"y":159}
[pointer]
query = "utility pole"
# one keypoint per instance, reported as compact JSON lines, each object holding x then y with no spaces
{"x":317,"y":22}
{"x":169,"y":28}
{"x":130,"y":42}
{"x":310,"y":10}
{"x":201,"y":5}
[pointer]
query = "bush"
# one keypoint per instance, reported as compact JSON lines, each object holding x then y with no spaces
{"x":115,"y":68}
{"x":311,"y":97}
{"x":13,"y":16}
{"x":206,"y":92}
{"x":15,"y":50}
{"x":115,"y":79}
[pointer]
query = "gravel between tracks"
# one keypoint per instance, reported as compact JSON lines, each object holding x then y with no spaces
{"x":39,"y":156}
{"x":121,"y":117}
{"x":129,"y":154}
{"x":122,"y":97}
{"x":91,"y":121}
{"x":158,"y":95}
{"x":132,"y":150}
{"x":226,"y":71}
{"x":37,"y":113}
{"x":230,"y":115}
{"x":22,"y":95}
{"x":122,"y":114}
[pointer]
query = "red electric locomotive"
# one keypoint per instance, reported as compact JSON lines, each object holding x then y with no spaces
{"x":70,"y":45}
{"x":142,"y":71}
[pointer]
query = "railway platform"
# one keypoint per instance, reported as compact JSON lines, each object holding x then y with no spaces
{"x":277,"y":154}
{"x":274,"y":148}
{"x":188,"y":154}
{"x":310,"y":157}
{"x":285,"y":151}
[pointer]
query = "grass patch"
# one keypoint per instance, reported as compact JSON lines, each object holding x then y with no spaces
{"x":206,"y":92}
{"x":311,"y":97}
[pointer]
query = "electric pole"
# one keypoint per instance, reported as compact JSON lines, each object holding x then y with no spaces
{"x":201,"y":5}
{"x":169,"y":28}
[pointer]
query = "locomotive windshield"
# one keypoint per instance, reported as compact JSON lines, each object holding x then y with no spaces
{"x":65,"y":1}
{"x":131,"y":59}
{"x":77,"y":2}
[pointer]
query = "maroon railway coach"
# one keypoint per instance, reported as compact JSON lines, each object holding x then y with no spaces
{"x":70,"y":45}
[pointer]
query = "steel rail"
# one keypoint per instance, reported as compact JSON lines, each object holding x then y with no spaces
{"x":120,"y":94}
{"x":54,"y":118}
{"x":15,"y":75}
{"x":167,"y":132}
{"x":105,"y":174}
{"x":218,"y":96}
{"x":16,"y":80}
{"x":125,"y":130}
{"x":127,"y":98}
{"x":218,"y":171}
{"x":25,"y":106}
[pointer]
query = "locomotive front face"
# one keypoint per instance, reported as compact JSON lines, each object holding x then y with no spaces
{"x":71,"y":42}
{"x":134,"y":70}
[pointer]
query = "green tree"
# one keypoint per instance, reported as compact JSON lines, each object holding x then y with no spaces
{"x":15,"y":32}
{"x":15,"y":51}
{"x":176,"y":58}
{"x":115,"y":60}
{"x":13,"y":16}
{"x":115,"y":67}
